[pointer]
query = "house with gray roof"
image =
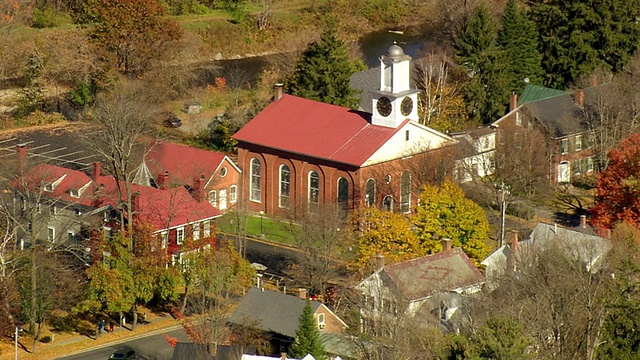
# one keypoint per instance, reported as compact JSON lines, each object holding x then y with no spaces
{"x":562,"y":119}
{"x":589,"y":250}
{"x":432,"y":284}
{"x":278,"y":315}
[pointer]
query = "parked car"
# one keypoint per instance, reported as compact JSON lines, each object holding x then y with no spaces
{"x":123,"y":355}
{"x":171,"y":120}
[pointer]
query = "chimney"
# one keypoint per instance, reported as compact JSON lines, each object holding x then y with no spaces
{"x":302,"y":293}
{"x":446,"y":245}
{"x":198,"y":189}
{"x":513,"y":241}
{"x":96,"y":171}
{"x":21,"y":151}
{"x":513,"y":101}
{"x":579,"y":98}
{"x":163,"y":180}
{"x":379,"y":261}
{"x":583,"y":221}
{"x":278,"y":87}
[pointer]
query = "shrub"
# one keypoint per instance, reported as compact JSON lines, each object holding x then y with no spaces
{"x":38,"y":117}
{"x":46,"y":339}
{"x":47,"y":18}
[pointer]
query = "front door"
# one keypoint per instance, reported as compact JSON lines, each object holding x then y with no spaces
{"x":222,"y":199}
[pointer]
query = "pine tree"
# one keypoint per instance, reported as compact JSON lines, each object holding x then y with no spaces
{"x":577,"y":36}
{"x":476,"y":49}
{"x":307,"y":337}
{"x":324,"y":71}
{"x":518,"y":41}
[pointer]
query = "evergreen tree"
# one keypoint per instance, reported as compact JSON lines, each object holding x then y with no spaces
{"x":501,"y":337}
{"x":620,"y":335}
{"x":577,"y":36}
{"x":476,"y":49}
{"x":307,"y":337}
{"x":324,"y":70}
{"x":518,"y":40}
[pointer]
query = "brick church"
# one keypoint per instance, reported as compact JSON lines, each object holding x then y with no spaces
{"x":298,"y":154}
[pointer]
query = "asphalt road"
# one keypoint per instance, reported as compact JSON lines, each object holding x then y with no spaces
{"x":153,"y":347}
{"x":276,"y":258}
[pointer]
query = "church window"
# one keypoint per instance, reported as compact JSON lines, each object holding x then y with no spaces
{"x":387,"y":203}
{"x":256,"y":184}
{"x":314,"y":188}
{"x":370,"y":192}
{"x":405,"y":192}
{"x":285,"y":186}
{"x":343,"y":193}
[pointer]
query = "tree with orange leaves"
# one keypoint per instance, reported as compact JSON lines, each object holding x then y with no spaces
{"x":618,"y":196}
{"x":135,"y":31}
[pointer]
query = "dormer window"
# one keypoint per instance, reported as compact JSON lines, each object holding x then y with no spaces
{"x":74,"y":193}
{"x":48,"y":187}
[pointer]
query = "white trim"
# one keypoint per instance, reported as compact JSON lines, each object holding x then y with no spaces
{"x":178,"y":240}
{"x":233,"y":190}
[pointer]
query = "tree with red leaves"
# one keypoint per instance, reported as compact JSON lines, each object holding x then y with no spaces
{"x":618,"y":195}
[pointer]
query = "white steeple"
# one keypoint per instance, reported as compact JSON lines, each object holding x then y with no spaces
{"x":395,"y":101}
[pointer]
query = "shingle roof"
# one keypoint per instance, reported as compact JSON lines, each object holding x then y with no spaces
{"x":424,"y":276}
{"x":301,"y":126}
{"x":271,"y":311}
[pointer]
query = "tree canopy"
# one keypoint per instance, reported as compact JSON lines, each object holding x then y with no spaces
{"x":518,"y":40}
{"x":618,"y":190}
{"x":324,"y":70}
{"x":577,"y":36}
{"x":133,"y":32}
{"x":476,"y":49}
{"x":445,"y":213}
{"x":384,"y":233}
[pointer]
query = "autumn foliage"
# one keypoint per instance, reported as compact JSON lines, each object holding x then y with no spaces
{"x":132,"y":32}
{"x":618,"y":191}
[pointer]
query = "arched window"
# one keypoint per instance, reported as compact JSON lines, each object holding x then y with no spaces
{"x":343,"y":193}
{"x":405,"y":192}
{"x":370,"y":192}
{"x":314,"y":188}
{"x":256,"y":181}
{"x":387,"y":203}
{"x":285,"y":186}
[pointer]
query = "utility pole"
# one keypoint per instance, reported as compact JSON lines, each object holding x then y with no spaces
{"x":17,"y":329}
{"x":503,"y":209}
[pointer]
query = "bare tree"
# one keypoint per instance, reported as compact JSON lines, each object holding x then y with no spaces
{"x":120,"y":123}
{"x":318,"y":233}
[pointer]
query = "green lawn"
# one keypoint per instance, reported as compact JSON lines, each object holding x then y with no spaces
{"x":274,"y":230}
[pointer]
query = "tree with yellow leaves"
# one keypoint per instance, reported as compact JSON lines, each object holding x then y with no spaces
{"x":387,"y":234}
{"x":444,"y":212}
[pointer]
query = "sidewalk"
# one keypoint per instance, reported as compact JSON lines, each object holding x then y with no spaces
{"x":76,"y":344}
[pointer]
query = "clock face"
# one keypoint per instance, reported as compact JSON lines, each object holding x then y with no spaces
{"x":406,"y":107}
{"x":384,"y":106}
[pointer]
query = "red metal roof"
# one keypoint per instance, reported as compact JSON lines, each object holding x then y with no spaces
{"x":184,"y":163}
{"x":316,"y":129}
{"x":162,"y":209}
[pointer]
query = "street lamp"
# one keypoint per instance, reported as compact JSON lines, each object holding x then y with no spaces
{"x":261,"y":227}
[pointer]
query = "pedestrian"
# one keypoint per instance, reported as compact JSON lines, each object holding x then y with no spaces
{"x":102,"y":325}
{"x":111,"y":326}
